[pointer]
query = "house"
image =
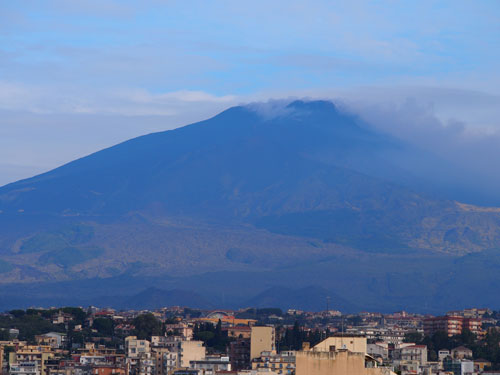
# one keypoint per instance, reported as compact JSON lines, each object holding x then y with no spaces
{"x":461,"y":353}
{"x":55,"y":340}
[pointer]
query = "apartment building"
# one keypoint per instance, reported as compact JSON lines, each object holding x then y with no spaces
{"x":262,"y":339}
{"x":280,"y":363}
{"x":452,"y":325}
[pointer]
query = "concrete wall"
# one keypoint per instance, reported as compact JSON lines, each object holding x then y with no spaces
{"x":191,"y":351}
{"x":261,"y":339}
{"x":352,"y":343}
{"x":334,"y":363}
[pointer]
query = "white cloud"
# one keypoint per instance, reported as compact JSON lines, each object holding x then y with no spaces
{"x":126,"y":102}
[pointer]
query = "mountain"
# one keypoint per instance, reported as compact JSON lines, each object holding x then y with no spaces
{"x":309,"y":298}
{"x":243,"y":192}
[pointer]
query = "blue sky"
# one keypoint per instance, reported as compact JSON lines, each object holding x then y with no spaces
{"x":76,"y":76}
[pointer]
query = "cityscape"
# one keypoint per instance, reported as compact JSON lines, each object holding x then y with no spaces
{"x":185,"y":341}
{"x":264,"y":187}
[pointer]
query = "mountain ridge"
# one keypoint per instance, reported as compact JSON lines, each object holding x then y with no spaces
{"x":246,"y":190}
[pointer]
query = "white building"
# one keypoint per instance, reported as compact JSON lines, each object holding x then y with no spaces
{"x":211,"y":364}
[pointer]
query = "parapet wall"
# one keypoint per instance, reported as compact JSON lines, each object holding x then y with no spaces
{"x":334,"y":363}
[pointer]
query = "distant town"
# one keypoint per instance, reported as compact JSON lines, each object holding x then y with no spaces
{"x":185,"y":341}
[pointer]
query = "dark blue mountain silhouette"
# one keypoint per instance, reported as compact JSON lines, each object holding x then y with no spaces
{"x":248,"y":190}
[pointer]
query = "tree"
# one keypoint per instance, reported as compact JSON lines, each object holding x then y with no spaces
{"x":4,"y":334}
{"x":104,"y":326}
{"x":467,"y":337}
{"x":78,"y":314}
{"x":415,"y":337}
{"x":440,"y":340}
{"x":146,"y":325}
{"x":17,"y":313}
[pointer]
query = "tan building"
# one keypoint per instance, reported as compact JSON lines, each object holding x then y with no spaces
{"x":190,"y":351}
{"x":262,"y":339}
{"x":180,"y":329}
{"x":355,"y":344}
{"x":53,"y":339}
{"x":135,"y":347}
{"x":173,"y":352}
{"x":341,"y":362}
{"x":139,"y":361}
{"x":165,"y":360}
{"x":30,"y":359}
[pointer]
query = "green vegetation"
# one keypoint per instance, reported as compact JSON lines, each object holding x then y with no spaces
{"x":293,"y":338}
{"x":73,"y":235}
{"x":146,"y":325}
{"x":43,"y":242}
{"x":29,"y":325}
{"x":78,"y":314}
{"x":343,"y":226}
{"x":34,"y":322}
{"x":212,"y":336}
{"x":4,"y":334}
{"x":104,"y":326}
{"x":78,"y":234}
{"x":70,"y":256}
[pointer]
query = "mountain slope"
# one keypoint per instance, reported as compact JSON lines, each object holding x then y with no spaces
{"x":241,"y":191}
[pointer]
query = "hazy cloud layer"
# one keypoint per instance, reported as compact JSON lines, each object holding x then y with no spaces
{"x":82,"y":75}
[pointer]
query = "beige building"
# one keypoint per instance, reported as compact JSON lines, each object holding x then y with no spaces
{"x":355,"y":344}
{"x":165,"y":360}
{"x":139,"y":361}
{"x":262,"y":339}
{"x":190,"y":351}
{"x":29,"y":359}
{"x":53,"y":339}
{"x":341,"y":362}
{"x":136,"y":347}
